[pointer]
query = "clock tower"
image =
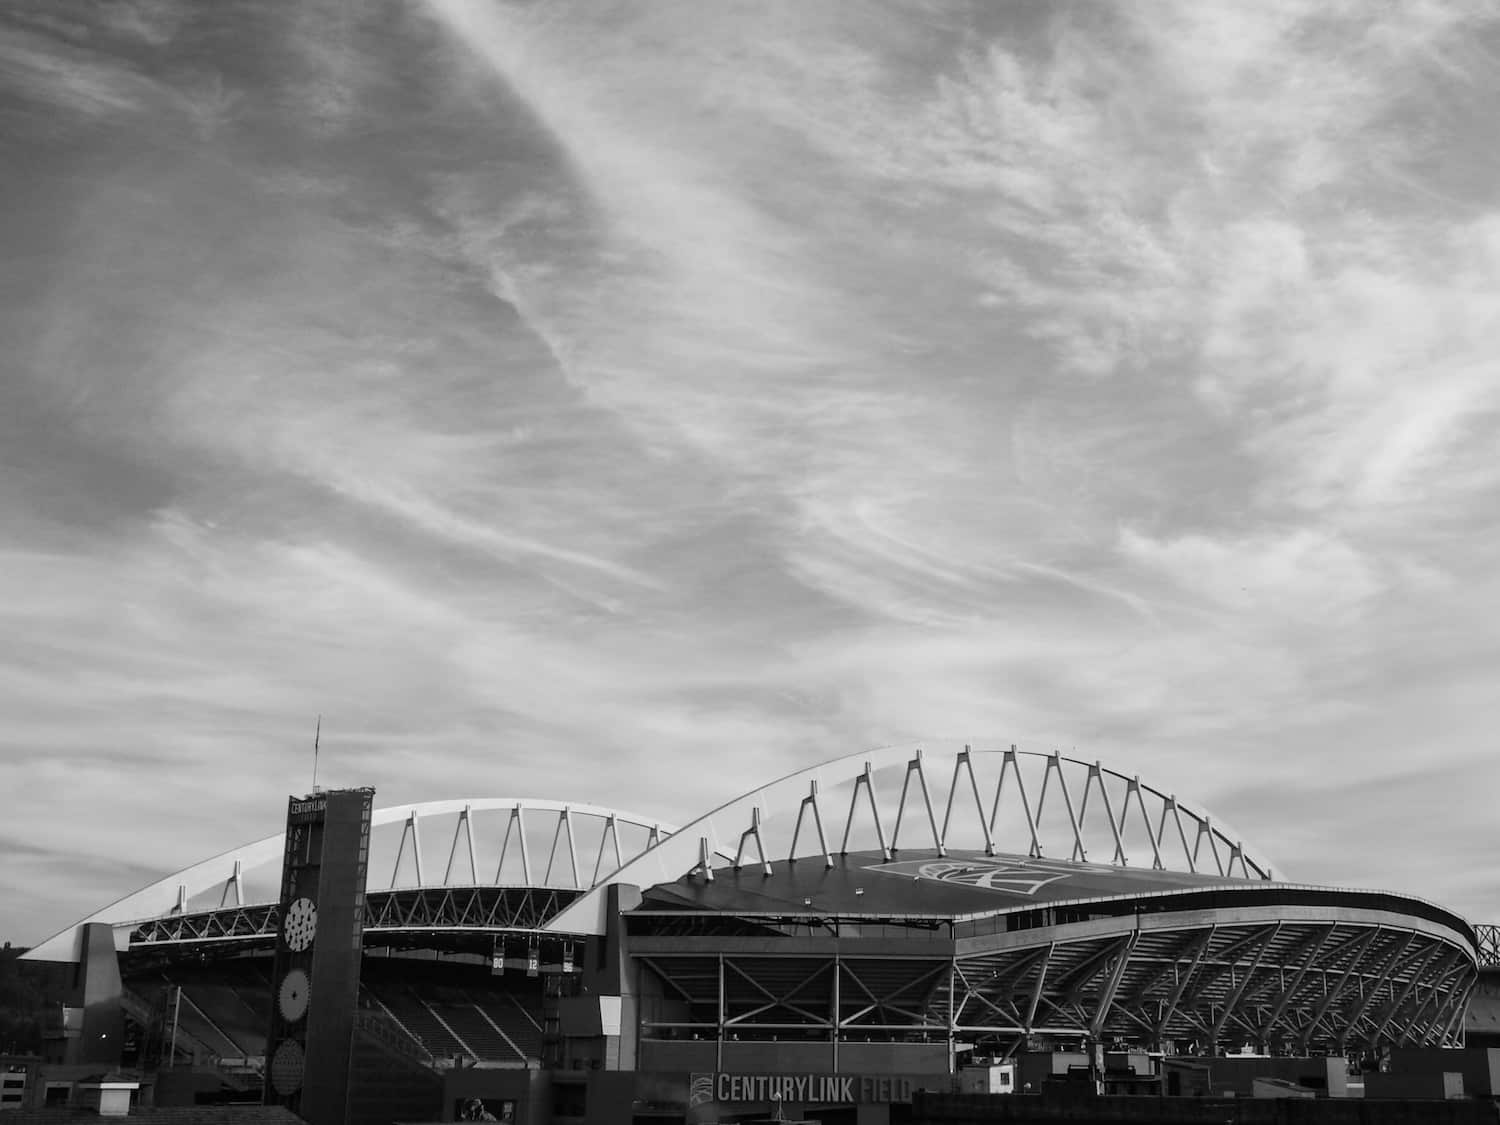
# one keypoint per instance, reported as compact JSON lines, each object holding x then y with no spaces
{"x":315,"y":977}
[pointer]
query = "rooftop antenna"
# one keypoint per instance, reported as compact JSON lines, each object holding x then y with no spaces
{"x":317,"y":734}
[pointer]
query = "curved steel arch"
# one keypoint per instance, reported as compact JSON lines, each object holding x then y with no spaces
{"x":169,"y":894}
{"x":736,"y":823}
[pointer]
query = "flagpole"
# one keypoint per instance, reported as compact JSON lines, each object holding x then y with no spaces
{"x":317,"y":734}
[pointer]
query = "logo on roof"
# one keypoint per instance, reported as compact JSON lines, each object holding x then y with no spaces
{"x":1015,"y":875}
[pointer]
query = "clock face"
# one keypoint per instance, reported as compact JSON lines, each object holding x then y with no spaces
{"x":292,"y":996}
{"x":301,"y":924}
{"x":287,"y":1067}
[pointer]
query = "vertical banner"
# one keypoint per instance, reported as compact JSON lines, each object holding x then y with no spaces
{"x":497,"y":959}
{"x":567,"y":957}
{"x":533,"y":961}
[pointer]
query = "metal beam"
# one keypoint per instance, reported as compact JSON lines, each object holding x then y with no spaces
{"x":810,"y":801}
{"x":1107,"y":997}
{"x":1231,"y":1003}
{"x":915,"y":766}
{"x":1309,"y":957}
{"x":1363,"y":944}
{"x":1379,"y":978}
{"x":1175,"y":998}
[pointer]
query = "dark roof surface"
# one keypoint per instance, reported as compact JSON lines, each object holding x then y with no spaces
{"x":922,"y":883}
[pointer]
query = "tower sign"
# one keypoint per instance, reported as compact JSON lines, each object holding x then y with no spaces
{"x":315,"y":979}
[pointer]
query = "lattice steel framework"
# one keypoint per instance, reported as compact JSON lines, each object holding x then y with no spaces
{"x":994,"y":799}
{"x":1303,"y":985}
{"x":544,"y":845}
{"x":1489,"y":946}
{"x":456,"y":909}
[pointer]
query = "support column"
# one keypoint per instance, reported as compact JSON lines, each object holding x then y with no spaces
{"x":838,"y":974}
{"x":952,"y":1014}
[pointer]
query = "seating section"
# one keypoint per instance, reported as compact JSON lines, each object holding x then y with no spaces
{"x":191,"y":1018}
{"x":413,"y":1014}
{"x":230,"y":1015}
{"x":257,"y":1000}
{"x":522,"y":1023}
{"x":226,"y":1008}
{"x":226,"y":1011}
{"x":474,"y":1019}
{"x":478,"y":1033}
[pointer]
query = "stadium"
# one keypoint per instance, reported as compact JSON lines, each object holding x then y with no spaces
{"x":821,"y":947}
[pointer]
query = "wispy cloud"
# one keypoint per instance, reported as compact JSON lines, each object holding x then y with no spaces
{"x":61,"y":77}
{"x":1304,"y":576}
{"x":558,"y":397}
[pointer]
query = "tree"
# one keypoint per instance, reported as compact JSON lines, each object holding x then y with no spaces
{"x":21,"y":1004}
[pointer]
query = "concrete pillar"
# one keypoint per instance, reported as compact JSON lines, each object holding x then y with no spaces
{"x":103,"y":1035}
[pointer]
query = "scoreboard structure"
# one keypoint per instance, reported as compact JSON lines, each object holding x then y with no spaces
{"x":315,"y":975}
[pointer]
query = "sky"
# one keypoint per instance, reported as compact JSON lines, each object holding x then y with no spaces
{"x":629,"y":401}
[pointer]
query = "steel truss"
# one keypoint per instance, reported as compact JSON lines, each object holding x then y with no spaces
{"x":753,"y":995}
{"x":1275,"y":984}
{"x":1489,"y":946}
{"x":1008,"y":800}
{"x":1280,"y":984}
{"x":457,"y":909}
{"x":496,"y":842}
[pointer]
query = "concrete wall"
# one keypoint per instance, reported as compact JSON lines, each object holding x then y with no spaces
{"x":103,"y":1035}
{"x":797,"y":1056}
{"x":179,"y":1086}
{"x":1435,"y":1086}
{"x":1237,"y":1076}
{"x":1482,"y":1020}
{"x":531,"y":1090}
{"x":990,"y":1109}
{"x":794,"y":1056}
{"x":679,"y":1054}
{"x":892,"y":1058}
{"x":541,"y":1097}
{"x":1480,"y":1066}
{"x":610,"y":1098}
{"x":385,"y":1086}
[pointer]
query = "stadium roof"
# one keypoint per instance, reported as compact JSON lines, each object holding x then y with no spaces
{"x":924,"y":884}
{"x":788,"y":845}
{"x":1007,"y":801}
{"x":960,"y":886}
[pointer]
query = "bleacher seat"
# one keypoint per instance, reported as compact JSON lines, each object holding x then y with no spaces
{"x":235,"y":1018}
{"x":521,"y":1025}
{"x":194,"y":1017}
{"x":413,"y":1014}
{"x":487,"y":1041}
{"x":449,"y":1012}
